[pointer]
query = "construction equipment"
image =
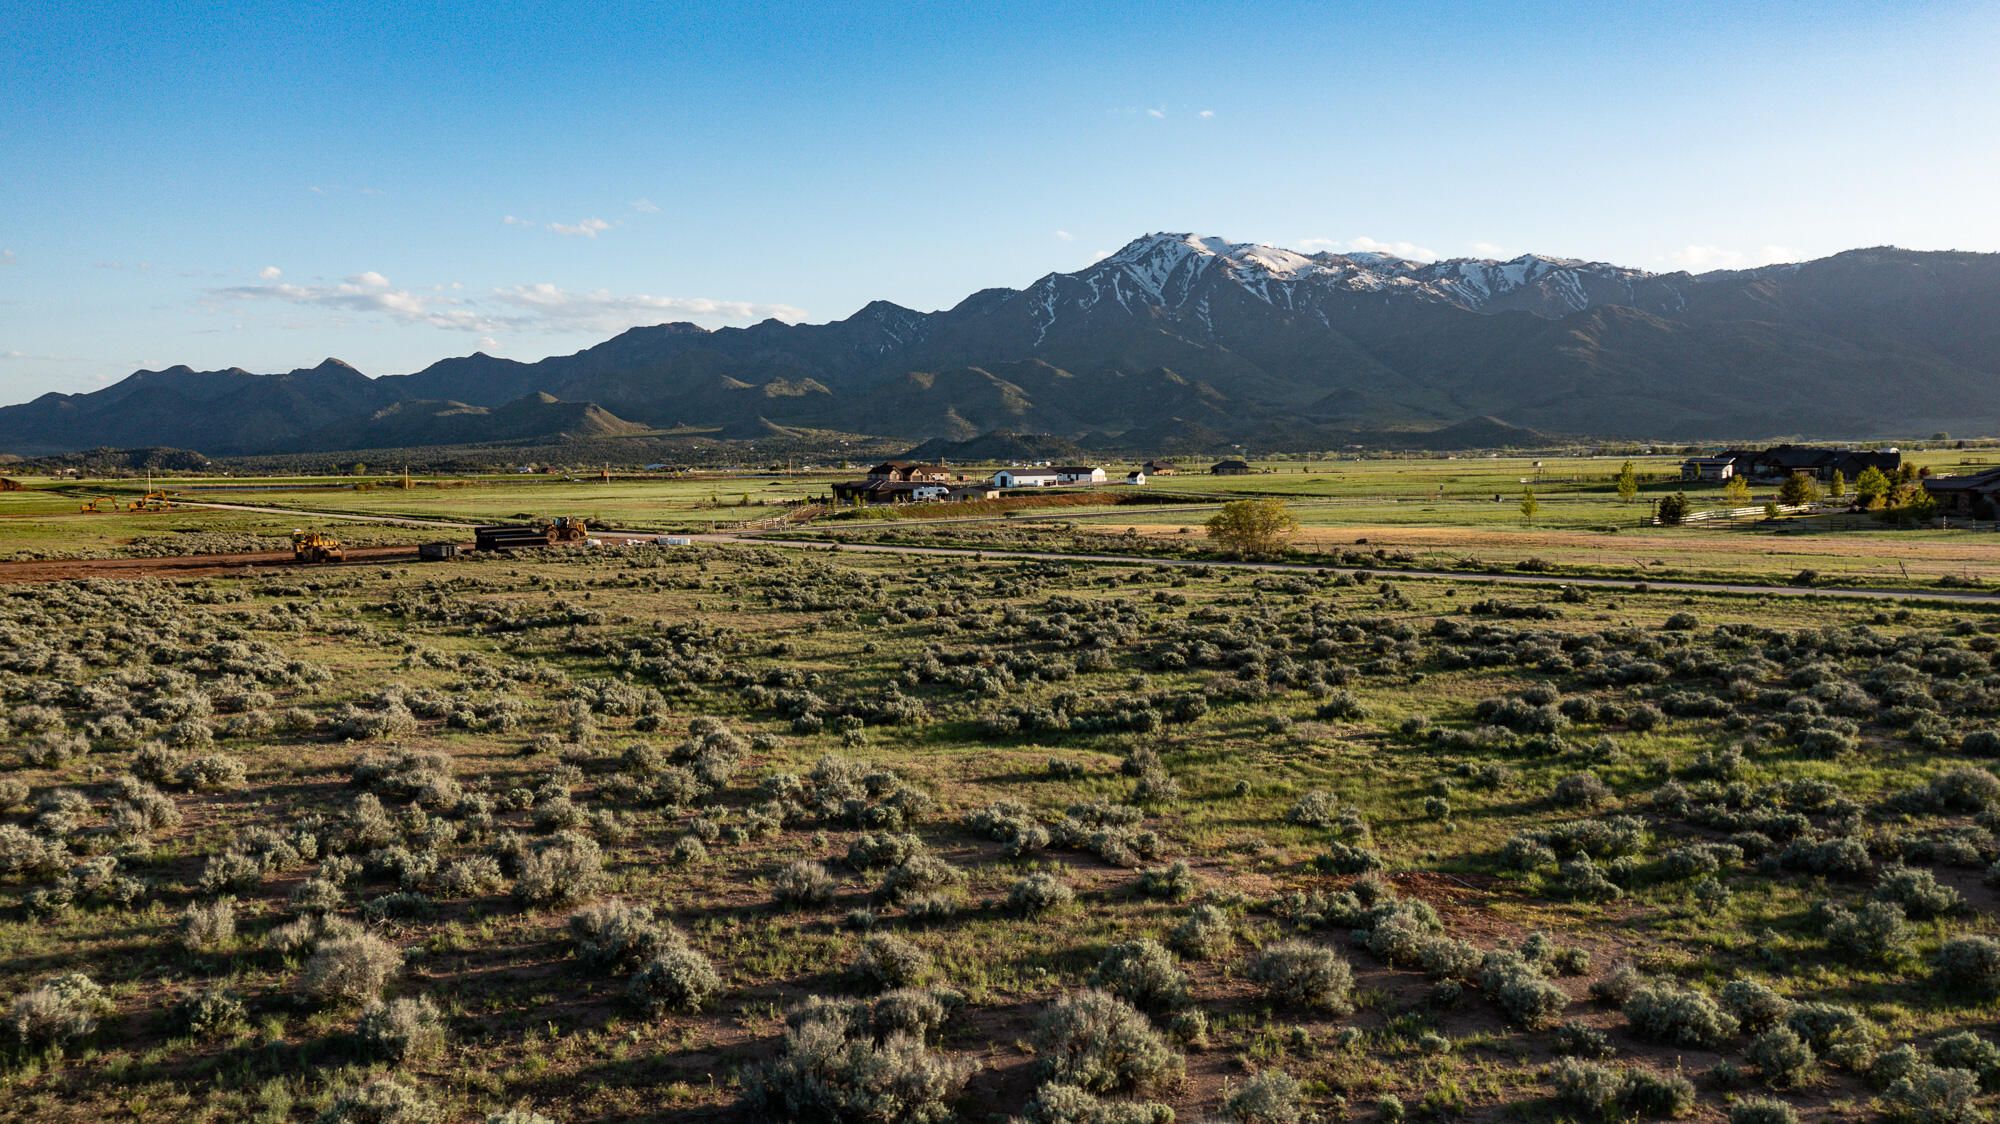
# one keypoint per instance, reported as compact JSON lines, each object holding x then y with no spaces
{"x":541,"y":532}
{"x":436,"y":551}
{"x":151,"y":501}
{"x":316,"y":546}
{"x":99,"y":505}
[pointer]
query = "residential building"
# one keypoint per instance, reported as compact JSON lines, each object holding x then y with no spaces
{"x":1975,"y":495}
{"x":1159,"y":468}
{"x":1079,"y":474}
{"x":1025,"y":478}
{"x":1716,"y":468}
{"x":1229,"y":468}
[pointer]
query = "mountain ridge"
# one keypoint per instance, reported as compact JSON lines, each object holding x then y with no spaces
{"x":1192,"y":334}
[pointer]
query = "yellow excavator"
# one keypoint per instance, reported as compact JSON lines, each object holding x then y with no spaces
{"x":316,"y":546}
{"x":99,"y":505}
{"x":151,"y":501}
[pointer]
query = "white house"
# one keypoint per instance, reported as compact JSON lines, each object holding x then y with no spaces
{"x":1079,"y":474}
{"x":1025,"y":478}
{"x":1135,"y":477}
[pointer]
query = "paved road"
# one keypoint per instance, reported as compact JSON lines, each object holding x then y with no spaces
{"x":1951,"y":596}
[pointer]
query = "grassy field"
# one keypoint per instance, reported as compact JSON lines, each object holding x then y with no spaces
{"x":704,"y":833}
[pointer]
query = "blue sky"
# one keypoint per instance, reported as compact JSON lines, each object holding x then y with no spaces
{"x":265,"y":185}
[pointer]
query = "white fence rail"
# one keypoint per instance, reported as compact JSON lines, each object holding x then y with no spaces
{"x":1740,"y":513}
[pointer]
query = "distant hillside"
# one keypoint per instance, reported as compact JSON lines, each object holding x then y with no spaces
{"x":1185,"y":343}
{"x":999,"y":447}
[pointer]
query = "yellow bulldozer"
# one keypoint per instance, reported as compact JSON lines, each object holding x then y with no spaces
{"x":564,"y":528}
{"x":316,"y":546}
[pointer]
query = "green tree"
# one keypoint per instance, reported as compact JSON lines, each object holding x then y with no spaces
{"x":1736,"y":493}
{"x":1837,"y":487}
{"x":1529,"y":504}
{"x":357,"y":469}
{"x":1253,"y":526}
{"x":1797,"y":489}
{"x":1628,"y":483}
{"x":1674,"y":510}
{"x":1870,"y":487}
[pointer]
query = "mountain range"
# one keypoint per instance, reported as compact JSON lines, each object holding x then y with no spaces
{"x":1180,"y":342}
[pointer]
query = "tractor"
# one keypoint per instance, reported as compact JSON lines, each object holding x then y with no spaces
{"x":565,"y":528}
{"x":315,"y":546}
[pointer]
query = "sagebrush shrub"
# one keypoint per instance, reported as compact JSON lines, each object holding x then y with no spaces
{"x":1762,"y":1110}
{"x":1969,"y":964}
{"x":1175,"y":882}
{"x":212,"y":1013}
{"x":826,"y":1074}
{"x":351,"y":968}
{"x":1755,"y":1006}
{"x":1142,"y":973}
{"x":401,"y":1029}
{"x":802,"y":884}
{"x":1782,"y":1057}
{"x":1039,"y":893}
{"x":1204,"y":934}
{"x":677,"y":979}
{"x":57,"y":1010}
{"x":1931,"y":1095}
{"x":208,"y":928}
{"x":1301,"y":974}
{"x":569,"y":870}
{"x":888,"y":961}
{"x":1678,"y":1017}
{"x":1101,"y":1044}
{"x":1061,"y":1103}
{"x":1520,"y":989}
{"x":1919,"y":893}
{"x":386,"y":1100}
{"x":618,"y":936}
{"x":1270,"y":1096}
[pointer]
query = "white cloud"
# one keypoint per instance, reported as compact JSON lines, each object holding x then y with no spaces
{"x":1699,"y":258}
{"x":1365,"y":244}
{"x":645,"y":206}
{"x":1206,"y":113}
{"x":7,"y":257}
{"x":588,"y":228}
{"x":1160,"y":112}
{"x":1102,"y":254}
{"x":270,"y":273}
{"x":1489,"y":250}
{"x":488,"y":344}
{"x":1065,"y":236}
{"x":519,"y":308}
{"x":510,"y":220}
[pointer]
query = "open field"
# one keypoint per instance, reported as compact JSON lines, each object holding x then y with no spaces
{"x":629,"y":836}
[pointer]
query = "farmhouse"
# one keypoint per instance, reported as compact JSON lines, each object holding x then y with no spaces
{"x":1781,"y":461}
{"x":1975,"y":494}
{"x":876,"y":490}
{"x":1719,"y":467}
{"x":1229,"y":468}
{"x":904,"y":471}
{"x":1025,"y":478}
{"x":1136,"y":476}
{"x":1159,"y":468}
{"x":1079,"y":474}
